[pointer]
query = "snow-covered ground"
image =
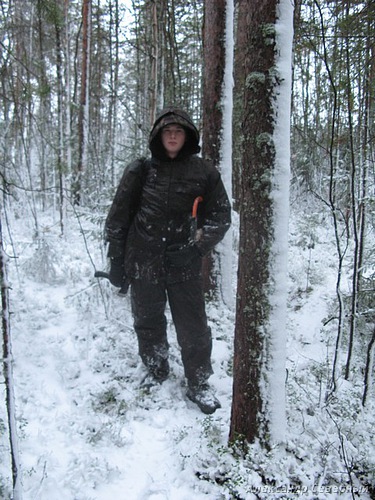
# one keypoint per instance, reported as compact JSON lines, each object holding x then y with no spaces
{"x":86,"y":429}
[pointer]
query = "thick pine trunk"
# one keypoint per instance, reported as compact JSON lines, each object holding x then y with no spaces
{"x":258,"y":349}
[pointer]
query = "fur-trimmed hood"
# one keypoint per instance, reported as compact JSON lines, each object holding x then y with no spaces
{"x":174,"y":115}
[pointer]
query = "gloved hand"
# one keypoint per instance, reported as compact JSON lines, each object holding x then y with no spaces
{"x":117,"y":272}
{"x":181,"y":255}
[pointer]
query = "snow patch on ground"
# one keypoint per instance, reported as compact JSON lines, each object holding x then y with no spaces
{"x":87,"y":431}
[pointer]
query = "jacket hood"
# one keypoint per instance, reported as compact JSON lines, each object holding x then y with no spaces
{"x":174,"y":115}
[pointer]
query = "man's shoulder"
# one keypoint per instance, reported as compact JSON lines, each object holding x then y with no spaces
{"x":202,"y":162}
{"x":136,"y":165}
{"x":207,"y":166}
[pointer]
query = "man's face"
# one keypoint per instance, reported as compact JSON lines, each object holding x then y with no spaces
{"x":173,"y":138}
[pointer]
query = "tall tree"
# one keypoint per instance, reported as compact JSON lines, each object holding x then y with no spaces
{"x":154,"y":61}
{"x":214,"y":104}
{"x":83,"y":119}
{"x":8,"y":374}
{"x":264,"y":41}
{"x":213,"y":77}
{"x":58,"y":23}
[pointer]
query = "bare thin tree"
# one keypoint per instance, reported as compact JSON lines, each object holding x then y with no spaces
{"x":8,"y":375}
{"x":83,"y":118}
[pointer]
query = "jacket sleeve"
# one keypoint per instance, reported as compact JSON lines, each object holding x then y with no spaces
{"x":123,"y":209}
{"x":216,"y":216}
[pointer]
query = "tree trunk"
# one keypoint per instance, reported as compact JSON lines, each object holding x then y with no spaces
{"x":368,"y":368}
{"x":60,"y":125}
{"x":67,"y":74}
{"x":154,"y":62}
{"x":83,"y":109}
{"x":8,"y":377}
{"x":353,"y":202}
{"x":214,"y":65}
{"x":259,"y":347}
{"x":114,"y":78}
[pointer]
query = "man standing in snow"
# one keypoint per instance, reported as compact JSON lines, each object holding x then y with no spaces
{"x":151,"y":246}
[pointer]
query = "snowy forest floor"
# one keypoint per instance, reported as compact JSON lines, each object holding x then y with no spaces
{"x":86,"y":429}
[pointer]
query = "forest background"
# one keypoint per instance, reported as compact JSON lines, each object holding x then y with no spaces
{"x":81,"y":83}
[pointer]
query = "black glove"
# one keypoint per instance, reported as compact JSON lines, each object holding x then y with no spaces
{"x":181,"y":255}
{"x":117,"y":272}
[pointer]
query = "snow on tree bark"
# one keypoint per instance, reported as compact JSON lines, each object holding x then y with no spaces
{"x":259,"y":348}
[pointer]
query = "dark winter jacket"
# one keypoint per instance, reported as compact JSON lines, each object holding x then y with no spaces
{"x":153,"y":204}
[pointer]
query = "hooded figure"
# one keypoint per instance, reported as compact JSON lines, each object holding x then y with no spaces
{"x":174,"y":116}
{"x":157,"y":247}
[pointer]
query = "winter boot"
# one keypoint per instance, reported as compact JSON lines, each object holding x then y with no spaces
{"x":157,"y":374}
{"x":203,"y":396}
{"x":159,"y":370}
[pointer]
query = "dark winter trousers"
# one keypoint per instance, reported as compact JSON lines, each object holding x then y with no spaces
{"x":187,"y":306}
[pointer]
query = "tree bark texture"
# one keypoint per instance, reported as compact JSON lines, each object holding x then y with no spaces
{"x":214,"y":66}
{"x":256,"y":50}
{"x":154,"y":62}
{"x":213,"y":79}
{"x":82,"y":138}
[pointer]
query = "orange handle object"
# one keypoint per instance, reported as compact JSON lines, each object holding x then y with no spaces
{"x":197,"y":200}
{"x":193,"y":220}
